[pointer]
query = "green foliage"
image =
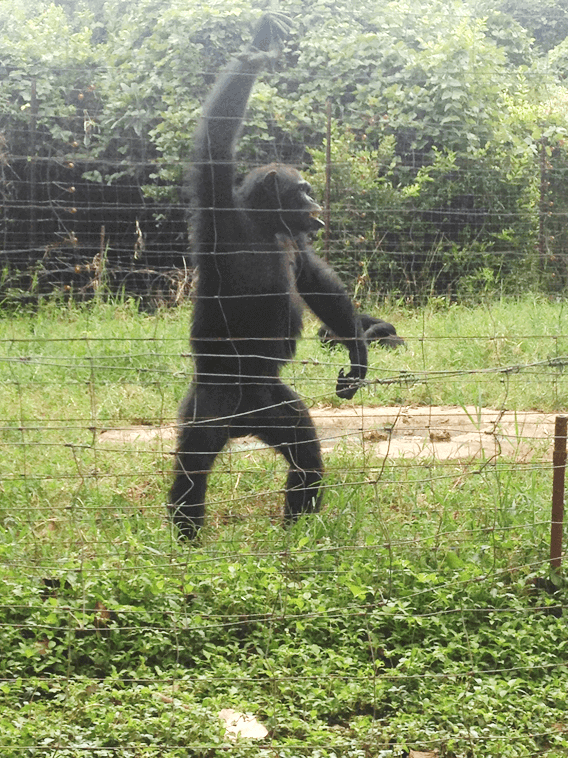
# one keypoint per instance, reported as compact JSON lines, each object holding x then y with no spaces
{"x":545,"y":21}
{"x":46,"y":69}
{"x":363,"y":197}
{"x":447,"y":99}
{"x":151,"y":108}
{"x":454,"y":244}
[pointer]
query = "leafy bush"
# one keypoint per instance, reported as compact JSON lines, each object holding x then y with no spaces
{"x":448,"y":105}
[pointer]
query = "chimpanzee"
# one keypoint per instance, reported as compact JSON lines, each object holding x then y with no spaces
{"x":255,"y":266}
{"x":374,"y":330}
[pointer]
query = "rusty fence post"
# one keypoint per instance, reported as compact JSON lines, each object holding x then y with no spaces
{"x":558,"y":478}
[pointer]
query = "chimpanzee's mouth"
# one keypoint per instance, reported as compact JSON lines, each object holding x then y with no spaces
{"x":315,"y":219}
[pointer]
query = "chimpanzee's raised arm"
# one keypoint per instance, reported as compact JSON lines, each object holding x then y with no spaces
{"x":223,"y":113}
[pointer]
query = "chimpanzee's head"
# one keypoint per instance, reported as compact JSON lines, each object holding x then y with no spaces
{"x":278,"y":199}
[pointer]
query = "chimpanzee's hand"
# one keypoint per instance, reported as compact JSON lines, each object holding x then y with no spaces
{"x":271,"y":29}
{"x":348,"y":385}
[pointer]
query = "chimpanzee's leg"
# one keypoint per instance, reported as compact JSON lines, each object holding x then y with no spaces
{"x":204,"y":420}
{"x":285,"y":424}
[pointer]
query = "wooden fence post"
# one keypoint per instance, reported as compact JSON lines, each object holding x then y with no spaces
{"x":558,"y":478}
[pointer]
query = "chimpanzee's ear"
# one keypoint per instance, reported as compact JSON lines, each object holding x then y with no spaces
{"x":269,"y":179}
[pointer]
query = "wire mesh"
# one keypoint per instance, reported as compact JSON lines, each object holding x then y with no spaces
{"x":414,"y":615}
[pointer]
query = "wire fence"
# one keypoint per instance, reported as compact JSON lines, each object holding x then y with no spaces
{"x":432,"y":549}
{"x":416,"y":615}
{"x":77,"y":220}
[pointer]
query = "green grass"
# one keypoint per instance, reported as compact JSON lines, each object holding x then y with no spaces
{"x":414,"y":612}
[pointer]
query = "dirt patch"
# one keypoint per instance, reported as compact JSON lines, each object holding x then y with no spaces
{"x":442,"y":432}
{"x":428,"y":432}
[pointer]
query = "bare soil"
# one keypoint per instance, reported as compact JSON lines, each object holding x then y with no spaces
{"x":428,"y":432}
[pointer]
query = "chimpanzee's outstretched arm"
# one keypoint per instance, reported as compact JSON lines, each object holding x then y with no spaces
{"x":223,"y":113}
{"x":326,"y":296}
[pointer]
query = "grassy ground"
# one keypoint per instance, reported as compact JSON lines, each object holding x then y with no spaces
{"x":415,"y":612}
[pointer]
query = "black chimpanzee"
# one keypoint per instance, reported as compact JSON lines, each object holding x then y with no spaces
{"x":374,"y":330}
{"x":255,"y":267}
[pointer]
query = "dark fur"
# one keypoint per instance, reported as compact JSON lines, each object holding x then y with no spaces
{"x":255,"y":267}
{"x":374,"y":330}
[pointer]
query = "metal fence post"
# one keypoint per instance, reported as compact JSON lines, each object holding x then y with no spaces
{"x":32,"y":157}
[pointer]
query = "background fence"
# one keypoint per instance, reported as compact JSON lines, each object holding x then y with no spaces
{"x":69,"y":228}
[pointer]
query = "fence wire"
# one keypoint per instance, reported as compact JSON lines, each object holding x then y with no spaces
{"x":425,"y":575}
{"x":416,"y":614}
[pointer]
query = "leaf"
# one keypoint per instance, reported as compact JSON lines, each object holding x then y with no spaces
{"x":453,"y":561}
